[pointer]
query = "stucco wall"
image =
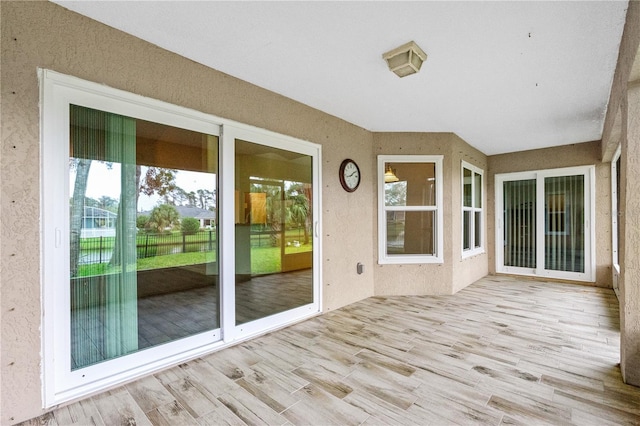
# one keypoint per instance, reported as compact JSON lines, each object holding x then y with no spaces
{"x":626,"y":56}
{"x":630,"y":238}
{"x":419,"y":278}
{"x":41,"y":34}
{"x":552,"y":158}
{"x":467,"y":270}
{"x":455,"y":273}
{"x":622,"y":125}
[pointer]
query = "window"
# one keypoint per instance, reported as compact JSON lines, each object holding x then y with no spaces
{"x":615,"y":209}
{"x":472,"y":212}
{"x":410,"y":209}
{"x":140,"y":203}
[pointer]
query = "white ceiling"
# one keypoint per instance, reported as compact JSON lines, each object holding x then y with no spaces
{"x":504,"y":76}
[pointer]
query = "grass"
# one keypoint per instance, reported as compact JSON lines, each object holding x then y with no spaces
{"x":264,"y":260}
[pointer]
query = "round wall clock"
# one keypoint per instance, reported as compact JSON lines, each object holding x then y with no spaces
{"x":349,"y":175}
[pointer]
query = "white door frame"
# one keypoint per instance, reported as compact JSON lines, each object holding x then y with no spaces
{"x":589,"y":226}
{"x":60,"y":383}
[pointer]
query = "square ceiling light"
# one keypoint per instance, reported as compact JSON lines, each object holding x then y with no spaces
{"x":406,"y":59}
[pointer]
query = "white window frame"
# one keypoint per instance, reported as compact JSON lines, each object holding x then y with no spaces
{"x":383,"y":256}
{"x":473,"y":250}
{"x":60,"y":383}
{"x":615,"y":218}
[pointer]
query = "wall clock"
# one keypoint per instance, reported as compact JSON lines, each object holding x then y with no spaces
{"x":349,"y":175}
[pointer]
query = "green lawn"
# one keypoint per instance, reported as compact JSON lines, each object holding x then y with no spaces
{"x":264,"y":260}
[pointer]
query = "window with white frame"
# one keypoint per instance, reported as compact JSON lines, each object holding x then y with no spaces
{"x":410,"y":209}
{"x":615,"y":208}
{"x":472,"y":210}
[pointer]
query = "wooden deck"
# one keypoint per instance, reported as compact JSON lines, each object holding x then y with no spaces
{"x":502,"y":351}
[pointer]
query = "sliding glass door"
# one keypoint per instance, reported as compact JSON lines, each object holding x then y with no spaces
{"x":167,"y":234}
{"x":519,"y":220}
{"x":545,"y":223}
{"x":143,"y":235}
{"x":274,"y":217}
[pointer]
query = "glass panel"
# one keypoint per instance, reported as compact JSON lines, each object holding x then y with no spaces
{"x":467,"y":200}
{"x":411,"y":232}
{"x":520,"y":223}
{"x":416,"y":185}
{"x":395,"y":193}
{"x":466,"y":233}
{"x":564,"y":223}
{"x":477,"y":188}
{"x":478,"y":229}
{"x":143,"y":234}
{"x":617,"y":222}
{"x":274,"y":217}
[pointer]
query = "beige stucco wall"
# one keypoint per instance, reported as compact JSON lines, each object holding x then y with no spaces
{"x":627,"y":54}
{"x":630,"y":238}
{"x":455,"y":273}
{"x":622,"y":126}
{"x":469,"y":269}
{"x":41,"y":34}
{"x":558,"y":157}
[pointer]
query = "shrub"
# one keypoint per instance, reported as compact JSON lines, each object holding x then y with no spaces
{"x":142,"y":221}
{"x":190,"y":225}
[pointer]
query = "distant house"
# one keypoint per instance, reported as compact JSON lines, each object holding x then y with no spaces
{"x":206,"y":217}
{"x":98,"y":222}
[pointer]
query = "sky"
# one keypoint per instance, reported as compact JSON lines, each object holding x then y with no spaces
{"x":105,"y":181}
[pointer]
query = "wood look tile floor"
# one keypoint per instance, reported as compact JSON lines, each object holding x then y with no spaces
{"x":502,"y":351}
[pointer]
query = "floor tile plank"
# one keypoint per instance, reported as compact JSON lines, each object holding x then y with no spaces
{"x":502,"y":351}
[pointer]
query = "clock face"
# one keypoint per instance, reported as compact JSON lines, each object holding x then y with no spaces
{"x":349,"y":175}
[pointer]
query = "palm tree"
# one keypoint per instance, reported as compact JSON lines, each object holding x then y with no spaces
{"x":164,"y":216}
{"x":298,"y":208}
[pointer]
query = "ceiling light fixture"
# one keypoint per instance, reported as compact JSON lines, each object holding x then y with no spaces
{"x":406,"y":59}
{"x":389,"y":175}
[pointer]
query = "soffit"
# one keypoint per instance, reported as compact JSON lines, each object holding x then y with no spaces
{"x":504,"y":76}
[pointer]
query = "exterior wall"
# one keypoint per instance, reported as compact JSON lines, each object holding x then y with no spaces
{"x":455,"y":273}
{"x":470,"y":269}
{"x":420,"y":278}
{"x":42,"y":34}
{"x":630,"y":239}
{"x":551,"y":158}
{"x":622,"y":126}
{"x":626,"y":55}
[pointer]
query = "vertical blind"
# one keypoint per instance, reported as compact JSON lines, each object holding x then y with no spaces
{"x":564,"y":223}
{"x":520,"y":223}
{"x":104,"y":317}
{"x":564,"y":231}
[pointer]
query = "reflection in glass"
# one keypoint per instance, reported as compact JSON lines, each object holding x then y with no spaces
{"x":411,"y":232}
{"x":478,"y":229}
{"x":520,"y":223}
{"x":395,"y":193}
{"x":564,"y":223}
{"x":466,"y":235}
{"x":467,"y":188}
{"x":478,"y":190}
{"x":417,"y":185}
{"x":143,"y":234}
{"x":274,"y":217}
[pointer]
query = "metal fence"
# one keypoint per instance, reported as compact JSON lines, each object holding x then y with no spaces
{"x":100,"y":249}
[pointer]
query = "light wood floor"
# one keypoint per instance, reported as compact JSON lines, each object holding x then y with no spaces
{"x":502,"y":351}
